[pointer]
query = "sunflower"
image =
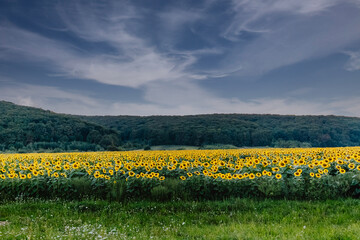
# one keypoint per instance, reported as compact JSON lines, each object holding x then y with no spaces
{"x":351,"y":166}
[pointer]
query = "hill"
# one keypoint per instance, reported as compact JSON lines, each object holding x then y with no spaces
{"x":28,"y":129}
{"x":241,"y":130}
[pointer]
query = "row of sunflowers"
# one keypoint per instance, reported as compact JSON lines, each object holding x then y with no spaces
{"x":225,"y":164}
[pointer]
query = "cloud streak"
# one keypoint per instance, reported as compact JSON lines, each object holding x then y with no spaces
{"x":354,"y":62}
{"x":163,"y":100}
{"x":290,"y":32}
{"x":260,"y":16}
{"x":132,"y":64}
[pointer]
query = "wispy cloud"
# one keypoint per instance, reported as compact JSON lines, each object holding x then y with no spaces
{"x":175,"y":18}
{"x":262,"y":16}
{"x":175,"y":99}
{"x":294,"y":31}
{"x":133,"y":62}
{"x":142,"y":66}
{"x":50,"y":98}
{"x":354,"y":62}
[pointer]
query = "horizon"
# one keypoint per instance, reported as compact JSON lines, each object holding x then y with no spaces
{"x":170,"y":58}
{"x":205,"y":114}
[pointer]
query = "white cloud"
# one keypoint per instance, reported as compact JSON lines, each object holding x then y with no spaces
{"x":347,"y":107}
{"x":259,"y":16}
{"x":354,"y":62}
{"x":164,"y":99}
{"x":176,"y":18}
{"x":142,"y":66}
{"x":49,"y":98}
{"x":187,"y":98}
{"x":299,"y":33}
{"x":133,"y":62}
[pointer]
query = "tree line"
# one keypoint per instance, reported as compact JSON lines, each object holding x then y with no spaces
{"x":27,"y":129}
{"x":241,"y":130}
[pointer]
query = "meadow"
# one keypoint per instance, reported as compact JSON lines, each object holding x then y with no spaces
{"x":228,"y":219}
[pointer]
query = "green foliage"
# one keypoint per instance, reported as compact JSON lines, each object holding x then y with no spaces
{"x":290,"y":144}
{"x":118,"y":191}
{"x":26,"y":129}
{"x":240,"y":130}
{"x":79,"y":186}
{"x":218,"y":146}
{"x":160,"y":193}
{"x":229,"y":219}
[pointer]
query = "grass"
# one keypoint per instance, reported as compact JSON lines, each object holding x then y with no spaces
{"x":229,"y":219}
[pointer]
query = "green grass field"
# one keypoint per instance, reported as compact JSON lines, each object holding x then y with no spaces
{"x":230,"y":219}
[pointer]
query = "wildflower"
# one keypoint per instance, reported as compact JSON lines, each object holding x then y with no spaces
{"x":76,"y":165}
{"x":351,"y":166}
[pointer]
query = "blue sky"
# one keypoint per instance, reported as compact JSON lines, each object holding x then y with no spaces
{"x":182,"y":57}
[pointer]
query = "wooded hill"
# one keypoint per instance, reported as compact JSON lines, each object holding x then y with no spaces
{"x":27,"y":129}
{"x":242,"y":130}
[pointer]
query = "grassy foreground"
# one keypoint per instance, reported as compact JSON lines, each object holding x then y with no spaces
{"x":230,"y":219}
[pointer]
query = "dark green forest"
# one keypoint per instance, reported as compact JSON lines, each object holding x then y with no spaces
{"x":27,"y":129}
{"x":241,"y":130}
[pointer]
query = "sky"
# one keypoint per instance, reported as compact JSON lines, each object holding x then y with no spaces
{"x":164,"y":57}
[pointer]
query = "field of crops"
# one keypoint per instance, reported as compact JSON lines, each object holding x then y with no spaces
{"x":207,"y":174}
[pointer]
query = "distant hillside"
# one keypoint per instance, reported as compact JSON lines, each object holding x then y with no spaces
{"x":237,"y":129}
{"x":28,"y":129}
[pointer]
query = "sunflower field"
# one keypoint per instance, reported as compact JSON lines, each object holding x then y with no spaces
{"x":303,"y":173}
